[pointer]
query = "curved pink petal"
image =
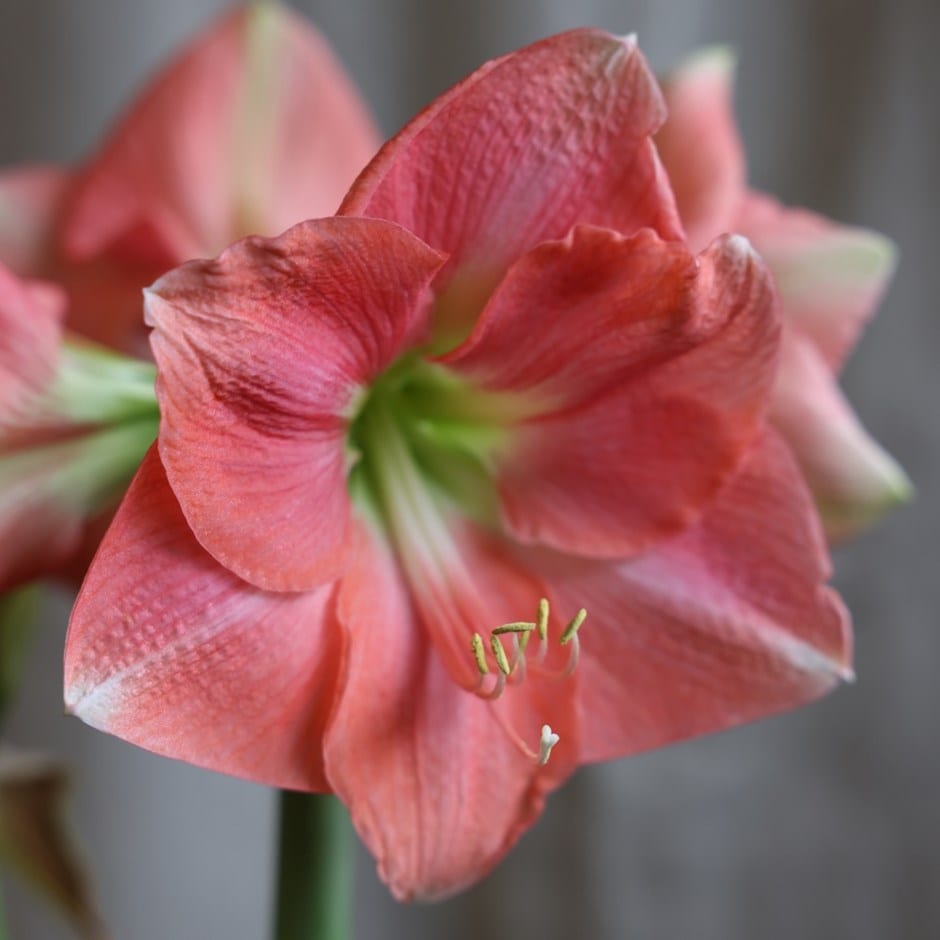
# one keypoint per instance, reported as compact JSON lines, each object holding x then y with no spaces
{"x":853,"y":480}
{"x":261,"y":354}
{"x":830,"y":276}
{"x":435,"y":785}
{"x":728,"y":622}
{"x":657,"y":371}
{"x":524,"y":148}
{"x":254,"y":127}
{"x":700,"y":147}
{"x":576,"y":317}
{"x":171,"y":652}
{"x":30,"y":199}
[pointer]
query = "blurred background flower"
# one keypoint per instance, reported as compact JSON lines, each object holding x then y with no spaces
{"x":819,"y":824}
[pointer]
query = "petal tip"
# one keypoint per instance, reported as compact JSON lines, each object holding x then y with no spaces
{"x":721,"y":60}
{"x":740,"y":246}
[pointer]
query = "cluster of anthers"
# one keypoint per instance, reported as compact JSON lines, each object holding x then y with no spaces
{"x":511,"y":666}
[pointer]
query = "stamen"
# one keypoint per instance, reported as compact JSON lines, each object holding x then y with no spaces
{"x":543,"y":619}
{"x":501,"y":661}
{"x":573,"y":626}
{"x":546,"y":742}
{"x":479,"y":653}
{"x":520,"y":626}
{"x":570,"y":635}
{"x":513,"y":667}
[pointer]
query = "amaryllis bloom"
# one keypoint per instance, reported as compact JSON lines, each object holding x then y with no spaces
{"x":830,"y":279}
{"x":252,"y":128}
{"x":404,"y":450}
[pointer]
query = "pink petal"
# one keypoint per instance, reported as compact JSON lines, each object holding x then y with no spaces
{"x":726,"y":623}
{"x":261,"y":354}
{"x":852,"y":478}
{"x":42,"y":510}
{"x":171,"y":652}
{"x":30,"y":329}
{"x":830,"y":276}
{"x":29,"y":203}
{"x":106,"y":302}
{"x":435,"y":786}
{"x":525,"y":147}
{"x":700,"y":147}
{"x":254,"y":127}
{"x":104,"y":297}
{"x":656,"y":372}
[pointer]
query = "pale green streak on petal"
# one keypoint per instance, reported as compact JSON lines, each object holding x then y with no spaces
{"x":255,"y":120}
{"x":451,"y":430}
{"x":81,"y":474}
{"x":709,"y":59}
{"x":887,"y":487}
{"x":94,"y":385}
{"x":852,"y":259}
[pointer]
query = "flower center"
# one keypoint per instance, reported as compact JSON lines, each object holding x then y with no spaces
{"x":422,"y":446}
{"x":422,"y":432}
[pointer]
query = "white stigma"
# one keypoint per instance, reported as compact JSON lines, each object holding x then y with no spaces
{"x":547,"y":741}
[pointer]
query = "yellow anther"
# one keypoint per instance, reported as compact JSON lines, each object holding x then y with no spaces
{"x":520,"y":626}
{"x":479,"y":653}
{"x":500,"y":654}
{"x":573,"y":626}
{"x":542,"y":625}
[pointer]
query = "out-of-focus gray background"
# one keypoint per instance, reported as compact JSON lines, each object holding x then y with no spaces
{"x":821,"y":825}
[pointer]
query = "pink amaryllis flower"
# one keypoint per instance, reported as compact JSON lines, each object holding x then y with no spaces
{"x":830,"y":279}
{"x":253,"y":127}
{"x":403,"y":450}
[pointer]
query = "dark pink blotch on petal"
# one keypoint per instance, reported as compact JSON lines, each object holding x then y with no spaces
{"x":728,"y":622}
{"x":528,"y":145}
{"x":260,"y":355}
{"x":171,"y":652}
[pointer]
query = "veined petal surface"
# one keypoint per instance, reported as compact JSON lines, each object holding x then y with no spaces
{"x":653,"y":370}
{"x":437,"y":787}
{"x":261,"y":354}
{"x":728,"y":622}
{"x":524,"y":148}
{"x":169,"y":650}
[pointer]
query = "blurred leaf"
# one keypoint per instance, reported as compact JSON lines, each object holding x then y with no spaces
{"x":36,"y":841}
{"x":17,"y":615}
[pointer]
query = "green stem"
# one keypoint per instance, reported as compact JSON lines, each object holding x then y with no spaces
{"x":314,"y":891}
{"x":4,"y":934}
